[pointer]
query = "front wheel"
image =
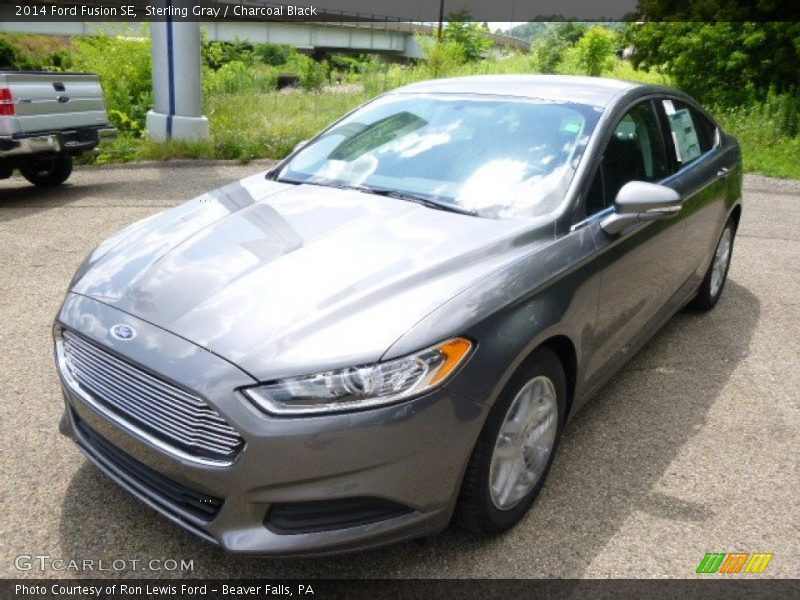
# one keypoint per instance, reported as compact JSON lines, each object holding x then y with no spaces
{"x":47,"y":172}
{"x":516,"y":447}
{"x":714,"y":281}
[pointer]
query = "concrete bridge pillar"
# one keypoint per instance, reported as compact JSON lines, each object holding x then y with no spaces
{"x":178,"y":107}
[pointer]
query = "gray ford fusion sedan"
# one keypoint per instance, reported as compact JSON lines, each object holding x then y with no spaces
{"x":393,"y":326}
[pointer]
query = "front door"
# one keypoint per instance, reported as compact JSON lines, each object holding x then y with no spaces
{"x":638,"y":268}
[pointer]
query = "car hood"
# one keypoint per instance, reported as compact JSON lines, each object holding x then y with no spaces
{"x":289,"y":279}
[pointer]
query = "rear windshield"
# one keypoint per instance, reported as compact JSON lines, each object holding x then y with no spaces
{"x":497,"y":156}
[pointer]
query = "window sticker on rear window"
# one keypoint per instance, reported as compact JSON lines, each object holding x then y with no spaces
{"x":687,"y":146}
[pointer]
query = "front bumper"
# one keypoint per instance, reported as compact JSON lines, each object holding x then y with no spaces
{"x":411,"y":455}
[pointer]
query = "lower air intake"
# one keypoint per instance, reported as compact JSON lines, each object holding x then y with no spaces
{"x":327,"y":515}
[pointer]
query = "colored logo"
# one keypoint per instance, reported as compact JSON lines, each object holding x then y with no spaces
{"x":734,"y":562}
{"x":123,"y":332}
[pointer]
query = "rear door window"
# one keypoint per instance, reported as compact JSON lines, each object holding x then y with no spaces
{"x":692,"y":133}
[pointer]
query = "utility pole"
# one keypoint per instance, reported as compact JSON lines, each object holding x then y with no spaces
{"x":441,"y":18}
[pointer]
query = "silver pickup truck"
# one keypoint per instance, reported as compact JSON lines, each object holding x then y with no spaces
{"x":47,"y":118}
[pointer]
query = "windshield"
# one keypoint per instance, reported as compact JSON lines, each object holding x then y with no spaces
{"x":493,"y":156}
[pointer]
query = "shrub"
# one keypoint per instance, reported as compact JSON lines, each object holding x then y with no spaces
{"x":235,"y":77}
{"x":8,"y":56}
{"x":32,"y":51}
{"x":549,"y":49}
{"x":470,"y":36}
{"x":313,"y":75}
{"x":272,"y":54}
{"x":730,"y":63}
{"x":595,"y":50}
{"x":123,"y":66}
{"x":442,"y":57}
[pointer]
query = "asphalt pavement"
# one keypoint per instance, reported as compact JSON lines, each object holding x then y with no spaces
{"x":692,"y":448}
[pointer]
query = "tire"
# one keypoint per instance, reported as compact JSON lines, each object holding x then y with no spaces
{"x":717,"y":274}
{"x":485,"y":506}
{"x":47,"y":172}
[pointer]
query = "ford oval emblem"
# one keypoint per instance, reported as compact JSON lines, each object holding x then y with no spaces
{"x":123,"y":332}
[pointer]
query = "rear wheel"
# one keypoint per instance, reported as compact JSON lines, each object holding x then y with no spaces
{"x":46,"y":172}
{"x":516,"y":447}
{"x":714,"y":281}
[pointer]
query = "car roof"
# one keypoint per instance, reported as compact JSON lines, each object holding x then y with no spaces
{"x":594,"y":91}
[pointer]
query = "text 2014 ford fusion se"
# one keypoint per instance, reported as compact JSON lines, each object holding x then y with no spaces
{"x":392,"y":326}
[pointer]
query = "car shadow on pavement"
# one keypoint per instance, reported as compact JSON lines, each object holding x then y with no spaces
{"x":608,"y":467}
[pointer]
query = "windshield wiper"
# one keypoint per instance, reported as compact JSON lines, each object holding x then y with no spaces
{"x":388,"y":193}
{"x":429,"y":202}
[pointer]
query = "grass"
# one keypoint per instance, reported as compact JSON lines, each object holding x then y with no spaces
{"x":244,"y":127}
{"x":768,"y":148}
{"x":251,"y":124}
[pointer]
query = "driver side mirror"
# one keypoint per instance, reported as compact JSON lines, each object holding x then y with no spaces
{"x":640,"y":201}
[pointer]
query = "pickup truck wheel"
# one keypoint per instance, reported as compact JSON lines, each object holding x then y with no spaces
{"x":47,"y":172}
{"x":516,"y":447}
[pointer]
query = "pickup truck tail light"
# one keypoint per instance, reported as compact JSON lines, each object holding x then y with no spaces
{"x":7,"y":106}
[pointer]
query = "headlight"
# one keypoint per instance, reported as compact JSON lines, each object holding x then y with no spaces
{"x":362,"y":387}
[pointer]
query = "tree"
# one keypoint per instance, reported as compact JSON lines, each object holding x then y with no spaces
{"x":472,"y":37}
{"x":548,"y":50}
{"x":722,"y":51}
{"x":596,"y":50}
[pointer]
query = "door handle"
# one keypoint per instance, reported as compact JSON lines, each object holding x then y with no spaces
{"x":723,"y":171}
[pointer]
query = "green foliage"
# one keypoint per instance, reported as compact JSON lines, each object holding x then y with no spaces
{"x":273,"y":54}
{"x":769,"y":133}
{"x":217,"y":54}
{"x":470,"y":36}
{"x":716,"y":10}
{"x":596,"y":50}
{"x":34,"y":52}
{"x":751,"y":90}
{"x":123,"y":66}
{"x":236,"y":77}
{"x":8,"y":55}
{"x":442,"y":57}
{"x":529,"y":31}
{"x":313,"y":75}
{"x":725,"y":63}
{"x":549,"y":49}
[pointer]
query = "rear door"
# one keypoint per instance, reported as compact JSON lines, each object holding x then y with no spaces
{"x":55,"y":101}
{"x":699,"y":172}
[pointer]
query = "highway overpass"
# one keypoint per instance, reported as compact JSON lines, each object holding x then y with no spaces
{"x":390,"y":38}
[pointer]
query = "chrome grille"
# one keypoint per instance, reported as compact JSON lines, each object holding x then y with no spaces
{"x":168,"y":413}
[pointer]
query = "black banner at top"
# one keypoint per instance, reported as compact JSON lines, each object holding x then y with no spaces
{"x":393,"y":11}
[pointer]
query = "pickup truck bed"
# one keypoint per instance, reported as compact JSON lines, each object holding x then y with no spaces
{"x":45,"y":119}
